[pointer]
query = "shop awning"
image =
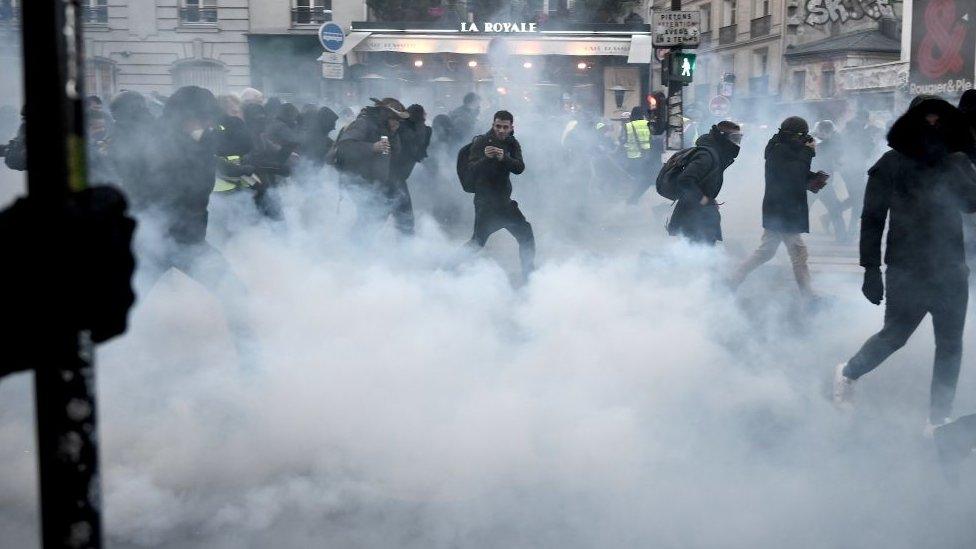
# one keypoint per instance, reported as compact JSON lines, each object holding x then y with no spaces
{"x":352,"y":40}
{"x":536,"y":45}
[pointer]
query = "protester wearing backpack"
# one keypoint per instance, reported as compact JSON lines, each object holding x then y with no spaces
{"x":492,"y":159}
{"x":694,"y":178}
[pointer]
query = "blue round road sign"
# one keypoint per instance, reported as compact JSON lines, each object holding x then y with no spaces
{"x":331,"y":37}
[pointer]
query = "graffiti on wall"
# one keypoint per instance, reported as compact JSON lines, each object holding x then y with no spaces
{"x":821,"y":12}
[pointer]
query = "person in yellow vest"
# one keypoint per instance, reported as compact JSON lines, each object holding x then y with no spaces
{"x":233,"y":142}
{"x":637,"y":139}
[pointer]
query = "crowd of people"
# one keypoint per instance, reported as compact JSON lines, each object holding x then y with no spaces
{"x":200,"y":148}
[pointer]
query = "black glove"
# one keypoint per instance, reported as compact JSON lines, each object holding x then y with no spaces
{"x":873,"y":287}
{"x":66,"y":268}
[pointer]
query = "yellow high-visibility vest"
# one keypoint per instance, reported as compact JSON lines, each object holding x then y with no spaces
{"x":226,"y":183}
{"x":638,"y":138}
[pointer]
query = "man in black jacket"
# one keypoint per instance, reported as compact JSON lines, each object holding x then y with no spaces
{"x":696,"y":215}
{"x":364,"y":155}
{"x":494,"y":157}
{"x":785,"y":213}
{"x":413,"y":136}
{"x":924,"y":184}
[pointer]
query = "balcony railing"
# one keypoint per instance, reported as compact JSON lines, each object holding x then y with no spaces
{"x":97,"y":15}
{"x":760,"y":26}
{"x":310,"y":15}
{"x":726,"y":35}
{"x":706,"y":39}
{"x":192,"y":15}
{"x":759,"y":85}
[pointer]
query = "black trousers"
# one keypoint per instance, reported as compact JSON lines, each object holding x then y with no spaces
{"x":492,"y":215}
{"x":910,"y":296}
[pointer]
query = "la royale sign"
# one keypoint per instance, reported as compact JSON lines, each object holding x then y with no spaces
{"x":499,"y":27}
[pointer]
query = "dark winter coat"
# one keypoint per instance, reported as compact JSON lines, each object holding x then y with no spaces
{"x":16,"y":154}
{"x":702,"y":178}
{"x":414,"y":138}
{"x":179,"y":180}
{"x":355,"y":155}
{"x":923,"y":185}
{"x":316,"y":142}
{"x":788,"y":174}
{"x":490,"y":176}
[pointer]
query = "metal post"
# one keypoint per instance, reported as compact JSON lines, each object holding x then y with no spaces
{"x":675,"y":135}
{"x":64,"y":379}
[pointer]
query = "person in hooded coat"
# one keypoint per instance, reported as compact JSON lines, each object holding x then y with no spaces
{"x":414,"y":138}
{"x":179,"y":179}
{"x":696,"y":216}
{"x":363,"y":159}
{"x":316,"y":142}
{"x":923,"y":185}
{"x":131,"y":144}
{"x":967,"y":104}
{"x":785,"y":212}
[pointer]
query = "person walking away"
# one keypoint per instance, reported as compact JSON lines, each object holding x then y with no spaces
{"x":364,"y":151}
{"x":829,"y":159}
{"x":922,"y":185}
{"x":696,"y":216}
{"x":493,"y":158}
{"x":785,"y":212}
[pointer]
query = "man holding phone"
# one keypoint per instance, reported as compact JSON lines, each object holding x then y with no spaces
{"x":494,"y":157}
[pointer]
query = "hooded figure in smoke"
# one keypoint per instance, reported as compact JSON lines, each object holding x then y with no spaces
{"x":924,"y":184}
{"x":364,"y":153}
{"x":696,"y":214}
{"x":465,"y":118}
{"x":316,"y":142}
{"x":967,"y":104}
{"x":179,"y":179}
{"x":785,"y":212}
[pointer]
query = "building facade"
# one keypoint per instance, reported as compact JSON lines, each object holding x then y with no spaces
{"x":780,"y":52}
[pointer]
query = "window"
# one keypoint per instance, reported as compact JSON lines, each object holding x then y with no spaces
{"x":100,"y":78}
{"x":827,"y":83}
{"x":311,"y":12}
{"x":760,"y":62}
{"x":729,"y":8}
{"x":94,"y":11}
{"x":799,"y":84}
{"x":206,"y":74}
{"x":760,"y":8}
{"x":198,"y":12}
{"x":728,"y":63}
{"x":706,"y":18}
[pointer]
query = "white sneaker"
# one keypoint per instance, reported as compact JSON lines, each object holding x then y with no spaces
{"x":843,"y":388}
{"x":929,"y":430}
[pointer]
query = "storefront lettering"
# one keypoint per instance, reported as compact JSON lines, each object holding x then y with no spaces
{"x":821,"y":12}
{"x":499,"y":27}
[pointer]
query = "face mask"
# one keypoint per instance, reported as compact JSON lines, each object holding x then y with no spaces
{"x":735,"y":138}
{"x":933,"y":142}
{"x":197,"y":134}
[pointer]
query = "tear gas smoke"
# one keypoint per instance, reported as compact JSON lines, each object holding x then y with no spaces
{"x":622,"y":398}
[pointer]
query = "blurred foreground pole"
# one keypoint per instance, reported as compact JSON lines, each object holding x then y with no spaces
{"x":675,"y":137}
{"x":64,"y":375}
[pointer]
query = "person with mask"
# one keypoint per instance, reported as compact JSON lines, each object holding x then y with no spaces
{"x":464,"y":119}
{"x":922,"y":185}
{"x":364,"y":152}
{"x":180,"y":176}
{"x":785,"y":211}
{"x":696,"y":216}
{"x":492,"y":159}
{"x":829,"y":159}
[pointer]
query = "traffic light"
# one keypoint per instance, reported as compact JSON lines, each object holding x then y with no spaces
{"x":657,"y":104}
{"x":681,"y":67}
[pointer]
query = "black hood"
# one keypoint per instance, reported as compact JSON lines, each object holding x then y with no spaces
{"x":326,"y":120}
{"x":232,"y":137}
{"x":717,"y":141}
{"x":912,"y":136}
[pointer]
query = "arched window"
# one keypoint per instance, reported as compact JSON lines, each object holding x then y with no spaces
{"x":206,"y":74}
{"x":100,"y":78}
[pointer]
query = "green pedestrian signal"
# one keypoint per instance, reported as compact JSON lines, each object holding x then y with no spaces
{"x":681,"y":68}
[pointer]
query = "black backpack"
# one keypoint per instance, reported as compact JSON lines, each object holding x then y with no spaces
{"x":667,"y":178}
{"x":462,"y":168}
